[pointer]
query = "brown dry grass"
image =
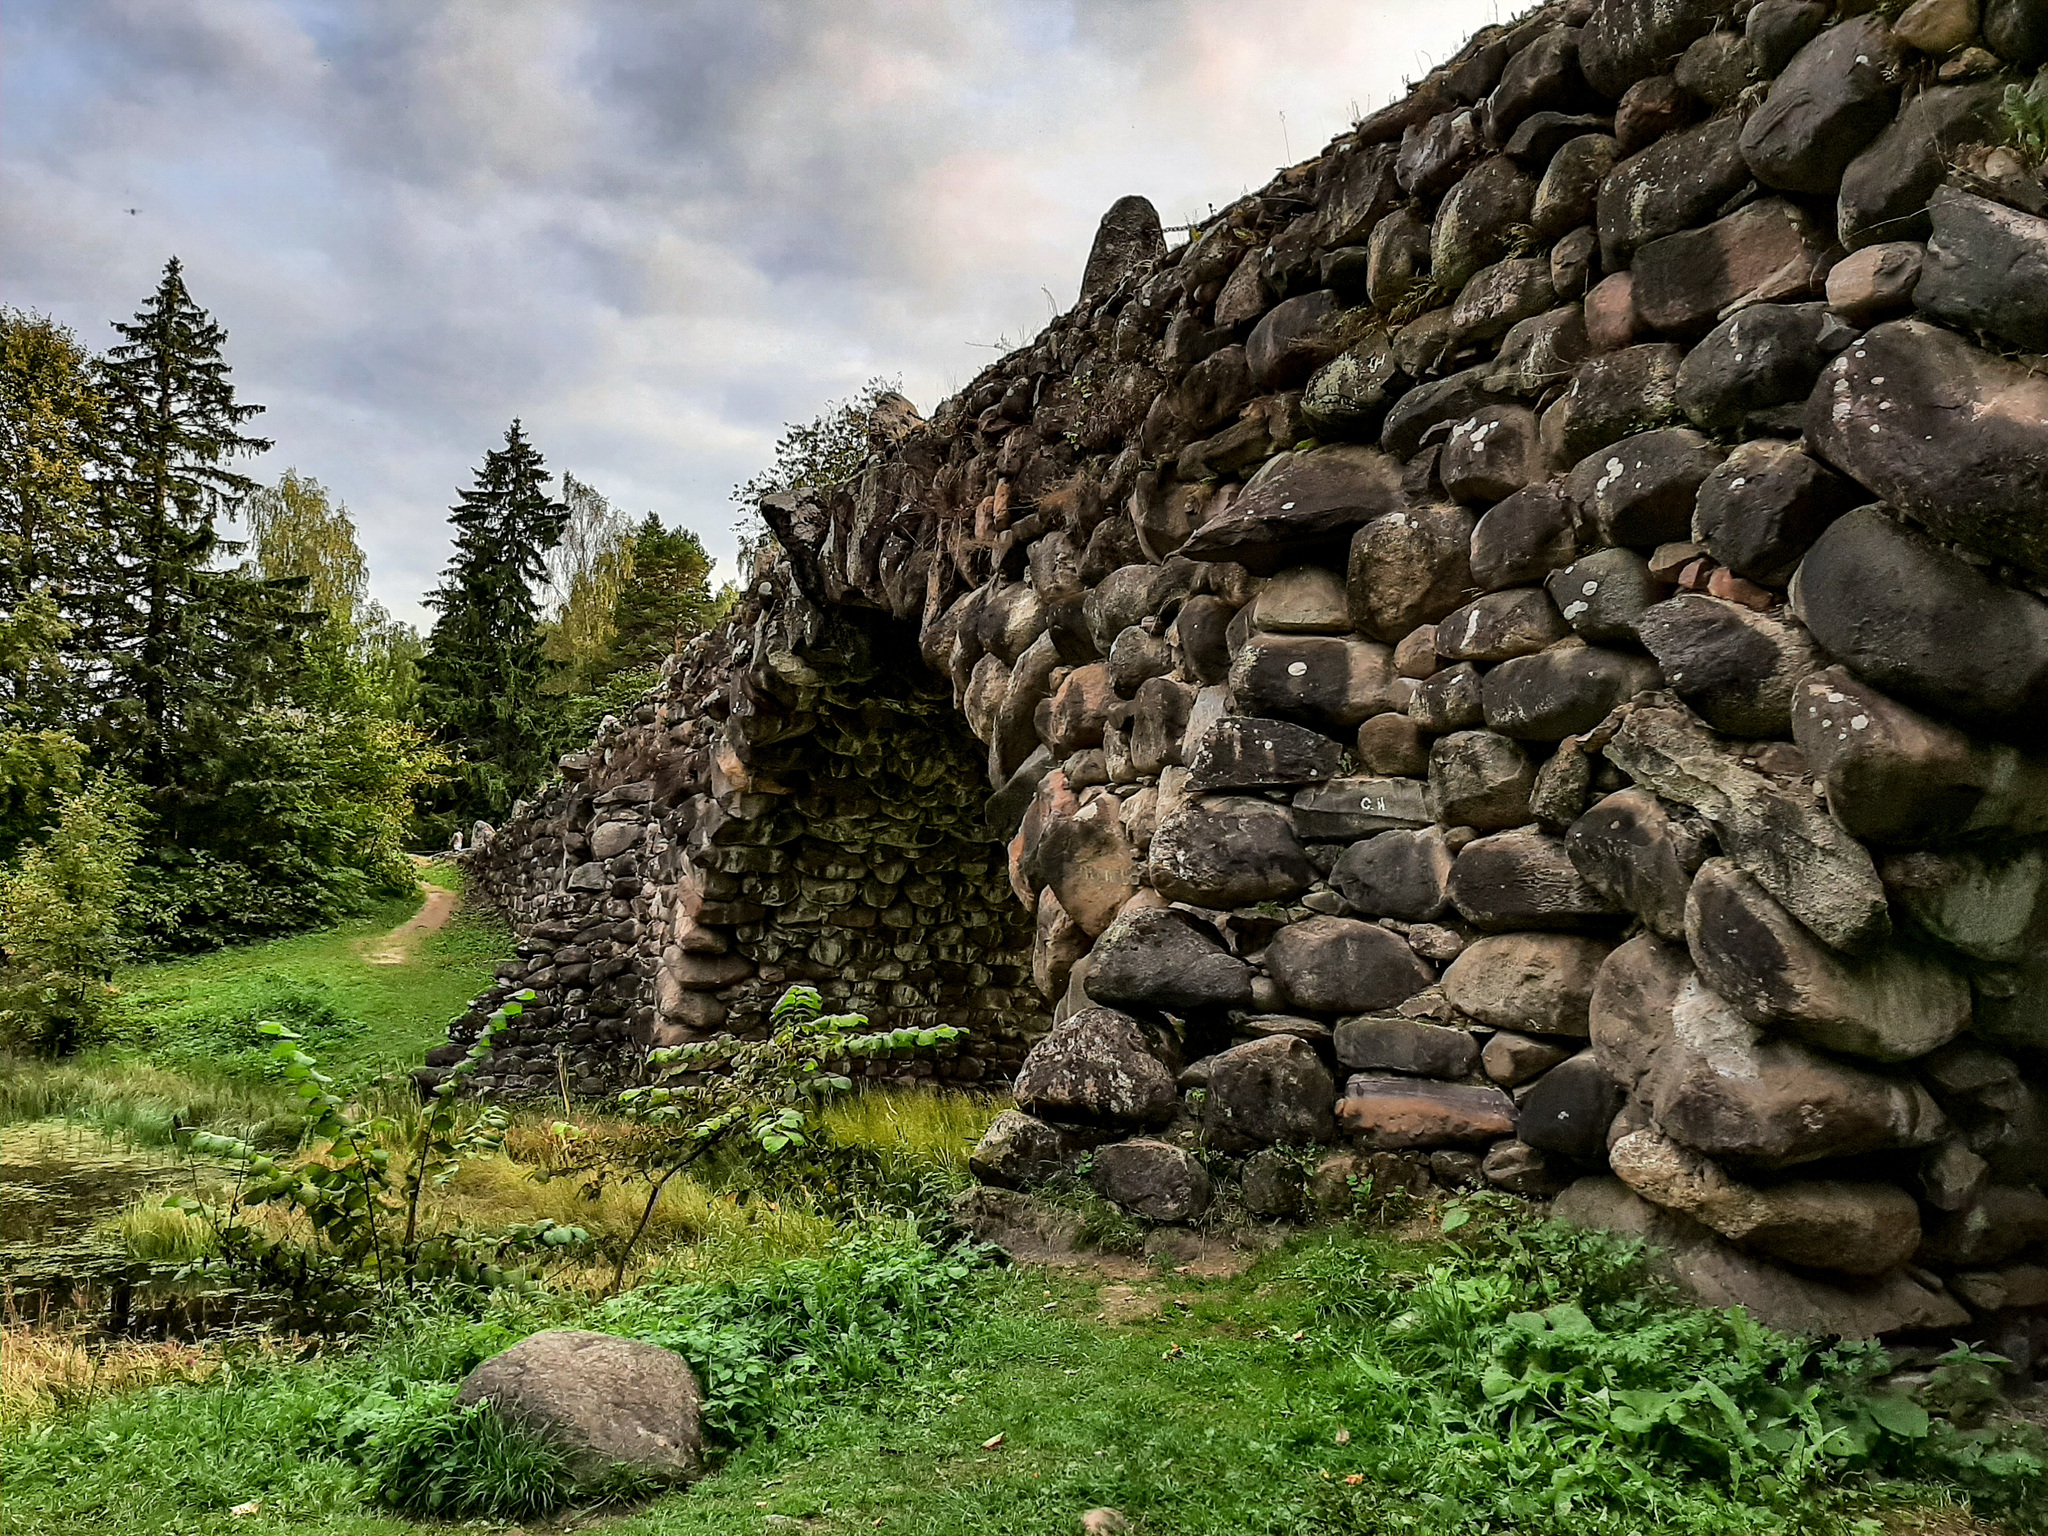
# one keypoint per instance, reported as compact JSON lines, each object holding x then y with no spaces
{"x":46,"y":1367}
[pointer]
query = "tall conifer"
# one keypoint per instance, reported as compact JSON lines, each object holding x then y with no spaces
{"x":480,"y":681}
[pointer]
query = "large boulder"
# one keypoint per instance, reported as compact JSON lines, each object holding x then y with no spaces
{"x":1679,"y":182}
{"x":1532,"y":983}
{"x":1917,"y":621}
{"x":1894,"y":775}
{"x":1088,"y":862}
{"x":1856,"y":1228}
{"x":1407,"y":1046}
{"x":1886,"y":189}
{"x":1152,"y":1179}
{"x":1325,"y":681}
{"x":1340,"y":965}
{"x":1832,"y":100}
{"x":1342,"y":809}
{"x":1763,"y":508}
{"x":1611,"y":397}
{"x":1640,"y":491}
{"x":1717,"y":1274}
{"x":1228,"y":852}
{"x":1243,"y":752}
{"x":1987,"y":269}
{"x":1400,"y":874}
{"x":1604,"y":594}
{"x":1301,"y":509}
{"x":1127,"y":238}
{"x":1018,"y":1151}
{"x":1800,"y":854}
{"x":1763,"y":253}
{"x":1564,"y":691}
{"x":1627,"y":40}
{"x":1631,"y":849}
{"x":618,"y":1407}
{"x":1952,"y":434}
{"x":1475,"y":223}
{"x":1501,"y":626}
{"x":1891,"y":1005}
{"x":1162,"y":958}
{"x":1523,"y":538}
{"x":1271,"y":1092}
{"x":1523,"y":880}
{"x":1099,"y":1067}
{"x":1988,"y":904}
{"x":1735,"y":667}
{"x":1764,"y":357}
{"x":1410,"y":568}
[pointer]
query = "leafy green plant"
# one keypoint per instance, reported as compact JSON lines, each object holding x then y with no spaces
{"x":439,"y":1462}
{"x":765,"y":1094}
{"x":60,"y":925}
{"x":2023,"y":111}
{"x":366,"y":1222}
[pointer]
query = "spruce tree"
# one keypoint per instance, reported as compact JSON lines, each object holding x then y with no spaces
{"x":182,"y":642}
{"x":480,"y":681}
{"x":665,"y":598}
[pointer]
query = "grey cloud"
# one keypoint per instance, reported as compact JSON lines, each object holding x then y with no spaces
{"x":655,"y":231}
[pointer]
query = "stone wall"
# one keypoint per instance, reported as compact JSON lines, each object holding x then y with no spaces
{"x":1516,"y":656}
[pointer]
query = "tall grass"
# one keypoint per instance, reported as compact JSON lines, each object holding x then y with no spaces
{"x":915,"y":1132}
{"x":46,"y":1370}
{"x":133,"y":1100}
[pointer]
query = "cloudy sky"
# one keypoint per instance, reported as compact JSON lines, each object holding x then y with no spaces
{"x":654,"y":229}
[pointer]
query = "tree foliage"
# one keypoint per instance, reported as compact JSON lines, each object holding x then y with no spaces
{"x":665,"y":598}
{"x":481,"y":678}
{"x":60,"y":918}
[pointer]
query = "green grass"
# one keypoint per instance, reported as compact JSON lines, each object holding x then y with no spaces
{"x":1524,"y":1381}
{"x":187,"y":1051}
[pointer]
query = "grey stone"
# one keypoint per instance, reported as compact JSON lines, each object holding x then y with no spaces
{"x":1152,"y":1179}
{"x":1521,"y":1169}
{"x":1932,"y":629}
{"x":1987,"y":904}
{"x":1018,"y":1151}
{"x":1297,"y":336}
{"x":1501,"y":626}
{"x":1717,"y":1274}
{"x":1540,"y":353}
{"x":1569,"y":193}
{"x":1762,"y":253}
{"x":1569,"y":1109}
{"x":1164,"y":959}
{"x":1393,"y":745}
{"x":1475,"y":222}
{"x":1449,"y":700}
{"x":1348,"y":396}
{"x":1128,"y":237}
{"x":1385,"y":1112}
{"x":1516,"y":880}
{"x":1737,"y":668}
{"x":1857,"y":1228}
{"x":1323,"y":681}
{"x":1626,"y":40}
{"x":1987,"y":268}
{"x":2002,"y":1222}
{"x":1563,"y":691}
{"x":1876,"y":280}
{"x":1511,"y":1059}
{"x":1532,"y":983}
{"x":1241,"y":752}
{"x":1302,"y":511}
{"x":2017,"y":32}
{"x":1543,"y":77}
{"x":1640,"y":490}
{"x":1717,"y":68}
{"x":1982,"y":483}
{"x":1492,"y":453}
{"x":1348,"y":808}
{"x":1432,"y":151}
{"x":1397,"y":258}
{"x":1629,"y":1016}
{"x":1611,"y":397}
{"x":1407,"y":1046}
{"x":1890,"y":1005}
{"x":1604,"y":594}
{"x":1765,"y":356}
{"x":1159,"y":722}
{"x":1777,"y":29}
{"x":1631,"y":849}
{"x":1803,"y":857}
{"x":1409,"y":568}
{"x":1268,"y":1092}
{"x":1271,"y":1185}
{"x":1480,"y":779}
{"x":1651,"y":109}
{"x":1401,"y":874}
{"x":1885,"y":190}
{"x":1763,"y":508}
{"x":1834,"y":97}
{"x":1098,"y":1067}
{"x":1893,"y":775}
{"x":1680,"y":182}
{"x":1340,"y":965}
{"x":1430,"y":404}
{"x":615,"y":1406}
{"x":1523,"y":539}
